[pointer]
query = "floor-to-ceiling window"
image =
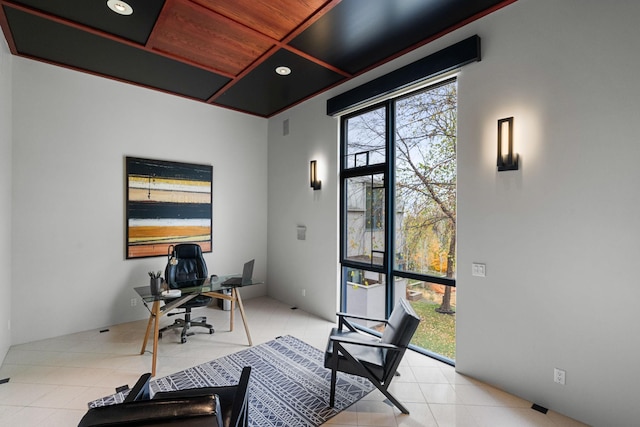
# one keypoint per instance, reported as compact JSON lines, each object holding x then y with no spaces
{"x":398,"y":211}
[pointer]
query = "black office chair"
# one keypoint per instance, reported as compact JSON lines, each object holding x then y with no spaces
{"x":186,"y":268}
{"x":376,"y":359}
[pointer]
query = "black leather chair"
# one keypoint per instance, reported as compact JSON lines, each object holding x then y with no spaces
{"x":186,"y":268}
{"x":376,"y":359}
{"x":234,"y":400}
{"x":199,"y":410}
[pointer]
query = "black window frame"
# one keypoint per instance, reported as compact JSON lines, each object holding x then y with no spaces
{"x":387,"y":169}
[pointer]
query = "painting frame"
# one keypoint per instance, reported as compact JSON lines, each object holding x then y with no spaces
{"x":167,"y":203}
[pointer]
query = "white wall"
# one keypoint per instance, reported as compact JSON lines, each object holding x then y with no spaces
{"x":5,"y":197}
{"x":559,"y":236}
{"x":303,"y":265}
{"x":71,"y":134}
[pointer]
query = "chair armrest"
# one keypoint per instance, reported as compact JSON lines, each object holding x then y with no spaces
{"x":343,"y":320}
{"x":355,"y":316}
{"x":376,"y":344}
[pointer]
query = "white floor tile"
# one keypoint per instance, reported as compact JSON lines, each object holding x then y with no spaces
{"x":52,"y":380}
{"x":407,"y":392}
{"x":419,"y":416}
{"x":452,"y":416}
{"x":439,"y":393}
{"x":375,"y":413}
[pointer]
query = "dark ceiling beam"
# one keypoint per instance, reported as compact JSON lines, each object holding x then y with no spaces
{"x":317,"y":61}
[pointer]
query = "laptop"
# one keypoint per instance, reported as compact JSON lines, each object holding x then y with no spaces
{"x":247,"y":274}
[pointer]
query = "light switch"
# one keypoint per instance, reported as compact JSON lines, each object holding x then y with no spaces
{"x":479,"y":270}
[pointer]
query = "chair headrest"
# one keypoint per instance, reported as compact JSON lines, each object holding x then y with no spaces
{"x":188,"y":250}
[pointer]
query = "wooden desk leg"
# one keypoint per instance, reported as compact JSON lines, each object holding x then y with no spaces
{"x":156,"y":332}
{"x":155,"y":318}
{"x":146,"y":334}
{"x":233,"y":309}
{"x":236,"y":296}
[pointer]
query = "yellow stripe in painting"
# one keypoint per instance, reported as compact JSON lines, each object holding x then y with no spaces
{"x":142,"y":195}
{"x":161,"y":232}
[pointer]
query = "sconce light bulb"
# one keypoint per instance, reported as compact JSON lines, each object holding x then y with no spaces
{"x":313,"y":176}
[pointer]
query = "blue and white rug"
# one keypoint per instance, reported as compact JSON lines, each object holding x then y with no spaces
{"x":289,"y":384}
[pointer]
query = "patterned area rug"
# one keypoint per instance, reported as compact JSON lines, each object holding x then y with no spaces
{"x":289,"y":384}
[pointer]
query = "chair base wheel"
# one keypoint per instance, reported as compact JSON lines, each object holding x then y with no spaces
{"x":184,"y":327}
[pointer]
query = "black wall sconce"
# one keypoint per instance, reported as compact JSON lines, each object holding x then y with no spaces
{"x":507,"y":160}
{"x":316,"y":184}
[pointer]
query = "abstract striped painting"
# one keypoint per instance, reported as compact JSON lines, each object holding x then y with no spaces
{"x":167,"y":203}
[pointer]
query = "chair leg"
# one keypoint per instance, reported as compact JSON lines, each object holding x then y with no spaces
{"x":394,"y":400}
{"x":338,"y":349}
{"x":185,"y":324}
{"x":332,"y":395}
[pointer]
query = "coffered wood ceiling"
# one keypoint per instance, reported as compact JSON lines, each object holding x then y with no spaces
{"x":224,"y":52}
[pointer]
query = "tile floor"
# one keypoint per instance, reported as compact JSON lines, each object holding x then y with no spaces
{"x":52,"y":380}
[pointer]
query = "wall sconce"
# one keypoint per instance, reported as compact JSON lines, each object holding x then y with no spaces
{"x":507,"y":160}
{"x":316,"y":184}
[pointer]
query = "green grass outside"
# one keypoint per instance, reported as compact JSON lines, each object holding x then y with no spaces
{"x":436,"y":331}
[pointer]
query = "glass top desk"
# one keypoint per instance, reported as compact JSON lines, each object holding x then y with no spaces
{"x":209,"y":288}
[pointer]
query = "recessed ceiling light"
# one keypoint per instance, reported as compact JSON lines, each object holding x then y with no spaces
{"x":118,"y":6}
{"x":283,"y":71}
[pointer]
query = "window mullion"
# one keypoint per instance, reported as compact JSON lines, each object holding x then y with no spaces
{"x":389,"y":207}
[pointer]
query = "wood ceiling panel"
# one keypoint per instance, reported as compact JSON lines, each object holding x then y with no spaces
{"x":192,"y":32}
{"x":273,"y":18}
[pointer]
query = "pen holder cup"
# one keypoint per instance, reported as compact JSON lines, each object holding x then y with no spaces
{"x":155,"y":285}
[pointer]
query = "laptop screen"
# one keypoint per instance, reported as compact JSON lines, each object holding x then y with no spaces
{"x":247,"y":271}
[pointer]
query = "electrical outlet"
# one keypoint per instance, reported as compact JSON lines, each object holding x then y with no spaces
{"x":134,"y":302}
{"x":8,"y":324}
{"x":304,"y":292}
{"x":559,"y":376}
